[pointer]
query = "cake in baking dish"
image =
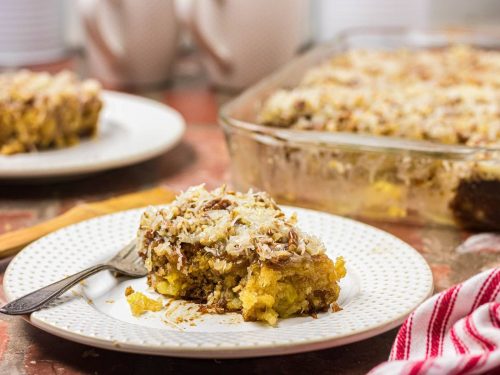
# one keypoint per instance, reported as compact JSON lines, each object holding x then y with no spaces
{"x":448,"y":95}
{"x":447,"y":99}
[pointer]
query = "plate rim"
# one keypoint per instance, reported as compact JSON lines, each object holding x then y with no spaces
{"x":241,"y":351}
{"x":265,"y":350}
{"x":33,"y":173}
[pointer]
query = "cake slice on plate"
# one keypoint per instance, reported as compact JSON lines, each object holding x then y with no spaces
{"x":41,"y":111}
{"x":237,"y":252}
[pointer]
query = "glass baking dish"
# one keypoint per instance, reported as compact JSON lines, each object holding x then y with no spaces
{"x":369,"y":177}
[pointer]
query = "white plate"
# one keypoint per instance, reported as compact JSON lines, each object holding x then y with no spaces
{"x":131,"y":129}
{"x":386,"y":280}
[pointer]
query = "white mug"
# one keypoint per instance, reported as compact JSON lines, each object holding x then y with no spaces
{"x":130,"y":42}
{"x":243,"y":41}
{"x":31,"y":32}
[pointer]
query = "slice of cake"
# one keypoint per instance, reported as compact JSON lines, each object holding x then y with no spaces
{"x":40,"y":111}
{"x":237,"y":252}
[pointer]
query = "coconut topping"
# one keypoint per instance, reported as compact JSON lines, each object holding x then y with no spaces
{"x":449,"y":95}
{"x":234,"y":227}
{"x":25,"y":85}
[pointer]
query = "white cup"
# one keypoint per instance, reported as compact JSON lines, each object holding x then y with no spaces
{"x":31,"y":32}
{"x":242,"y":40}
{"x":130,"y":42}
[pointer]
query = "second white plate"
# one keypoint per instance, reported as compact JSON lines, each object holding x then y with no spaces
{"x":132,"y":129}
{"x":386,"y":280}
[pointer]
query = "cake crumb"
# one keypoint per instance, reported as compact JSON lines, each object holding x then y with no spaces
{"x":140,"y":303}
{"x":129,"y":291}
{"x":336,"y":307}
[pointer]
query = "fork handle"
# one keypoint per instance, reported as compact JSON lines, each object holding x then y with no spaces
{"x":39,"y":298}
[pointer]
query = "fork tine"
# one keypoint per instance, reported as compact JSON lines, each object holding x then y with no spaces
{"x":125,"y":252}
{"x":128,"y":261}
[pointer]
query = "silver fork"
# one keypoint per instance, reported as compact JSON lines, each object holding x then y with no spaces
{"x":126,"y":262}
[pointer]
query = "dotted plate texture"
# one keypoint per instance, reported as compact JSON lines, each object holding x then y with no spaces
{"x":387,"y":279}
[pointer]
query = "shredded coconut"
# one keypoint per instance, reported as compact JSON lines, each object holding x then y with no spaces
{"x":449,"y":95}
{"x":229,"y":225}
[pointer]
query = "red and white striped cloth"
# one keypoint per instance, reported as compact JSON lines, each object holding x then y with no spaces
{"x":454,"y":332}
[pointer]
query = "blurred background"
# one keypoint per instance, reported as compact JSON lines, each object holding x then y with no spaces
{"x":231,"y":43}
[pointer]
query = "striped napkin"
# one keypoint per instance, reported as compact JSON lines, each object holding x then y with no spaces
{"x":454,"y":332}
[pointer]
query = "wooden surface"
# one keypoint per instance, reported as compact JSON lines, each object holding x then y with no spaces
{"x":200,"y":158}
{"x":13,"y":241}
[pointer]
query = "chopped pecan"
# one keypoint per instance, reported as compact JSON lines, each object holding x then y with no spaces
{"x":293,"y":239}
{"x":217,"y":204}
